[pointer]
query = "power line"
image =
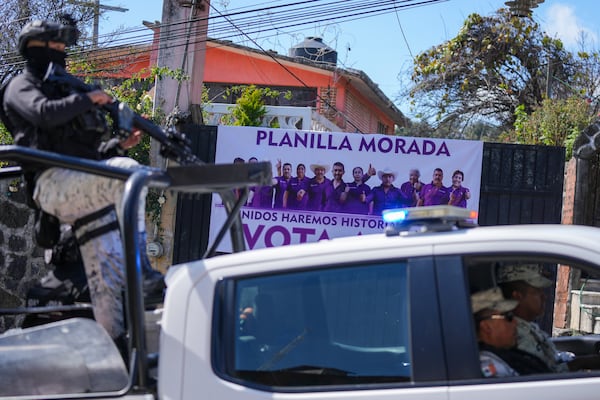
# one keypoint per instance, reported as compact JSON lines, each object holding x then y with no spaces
{"x":386,"y":6}
{"x":96,"y":7}
{"x":298,"y":78}
{"x":404,"y":36}
{"x":291,"y":17}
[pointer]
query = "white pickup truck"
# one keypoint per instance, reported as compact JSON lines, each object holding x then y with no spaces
{"x":384,"y":316}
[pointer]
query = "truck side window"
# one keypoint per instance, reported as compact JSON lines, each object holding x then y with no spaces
{"x":334,"y":326}
{"x":554,"y":338}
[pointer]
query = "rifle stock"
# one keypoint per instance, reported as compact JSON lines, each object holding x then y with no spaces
{"x":174,"y":145}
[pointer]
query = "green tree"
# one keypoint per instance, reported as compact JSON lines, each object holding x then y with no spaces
{"x":493,"y":65}
{"x":250,"y":108}
{"x":554,"y":123}
{"x":135,"y":92}
{"x":5,"y":137}
{"x":587,"y":79}
{"x":478,"y":130}
{"x":14,"y":14}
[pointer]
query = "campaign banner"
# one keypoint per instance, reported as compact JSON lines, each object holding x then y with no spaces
{"x":334,"y":184}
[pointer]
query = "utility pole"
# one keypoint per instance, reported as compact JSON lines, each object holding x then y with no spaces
{"x":182,"y":46}
{"x":97,"y":9}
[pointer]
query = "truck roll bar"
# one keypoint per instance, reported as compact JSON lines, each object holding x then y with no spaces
{"x":196,"y":178}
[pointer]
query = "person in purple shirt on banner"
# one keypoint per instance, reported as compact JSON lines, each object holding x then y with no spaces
{"x":386,"y":195}
{"x":411,"y":188}
{"x":434,"y":193}
{"x":237,"y":192}
{"x":281,"y":182}
{"x":336,"y":191}
{"x":356,"y":193}
{"x":252,"y":189}
{"x":260,"y":196}
{"x":263,"y":197}
{"x":295,"y":197}
{"x":459,"y":194}
{"x":318,"y":187}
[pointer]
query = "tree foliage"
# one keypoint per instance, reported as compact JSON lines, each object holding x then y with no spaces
{"x":14,"y":14}
{"x":494,"y":64}
{"x":554,"y":123}
{"x":250,"y":106}
{"x":5,"y":137}
{"x":135,"y":93}
{"x":587,"y":79}
{"x":475,"y":130}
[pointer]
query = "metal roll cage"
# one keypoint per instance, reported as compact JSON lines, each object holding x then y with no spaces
{"x":198,"y":178}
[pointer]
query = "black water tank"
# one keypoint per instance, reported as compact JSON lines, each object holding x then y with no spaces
{"x":313,"y":48}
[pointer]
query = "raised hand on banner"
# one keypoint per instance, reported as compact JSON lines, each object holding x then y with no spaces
{"x":371,"y":171}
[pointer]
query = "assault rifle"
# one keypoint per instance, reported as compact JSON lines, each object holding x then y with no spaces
{"x":173,"y":144}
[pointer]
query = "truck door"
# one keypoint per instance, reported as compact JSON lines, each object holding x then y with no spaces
{"x":579,"y":380}
{"x":361,"y":330}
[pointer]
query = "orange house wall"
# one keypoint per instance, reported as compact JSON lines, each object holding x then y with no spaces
{"x":140,"y":64}
{"x":358,"y":110}
{"x":241,"y":67}
{"x":225,"y":66}
{"x":231,"y":67}
{"x":125,"y":66}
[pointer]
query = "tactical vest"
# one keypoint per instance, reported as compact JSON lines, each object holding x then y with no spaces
{"x":80,"y":137}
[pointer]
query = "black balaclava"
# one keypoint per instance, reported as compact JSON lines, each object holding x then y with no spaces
{"x":40,"y":57}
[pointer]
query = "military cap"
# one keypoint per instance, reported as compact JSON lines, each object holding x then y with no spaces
{"x":529,"y":273}
{"x":491,"y":299}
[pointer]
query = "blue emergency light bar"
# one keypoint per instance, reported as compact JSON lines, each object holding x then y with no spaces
{"x":415,"y":214}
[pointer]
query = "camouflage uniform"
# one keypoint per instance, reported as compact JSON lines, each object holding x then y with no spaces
{"x":103,"y":255}
{"x":530,"y":337}
{"x":533,"y":340}
{"x":49,"y":116}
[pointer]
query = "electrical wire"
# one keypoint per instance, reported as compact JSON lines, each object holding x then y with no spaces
{"x":290,"y":18}
{"x":404,"y":36}
{"x":269,"y":19}
{"x":291,"y":73}
{"x":296,"y":77}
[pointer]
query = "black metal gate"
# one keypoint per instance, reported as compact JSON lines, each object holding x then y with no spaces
{"x":520,"y":184}
{"x":192,"y":224}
